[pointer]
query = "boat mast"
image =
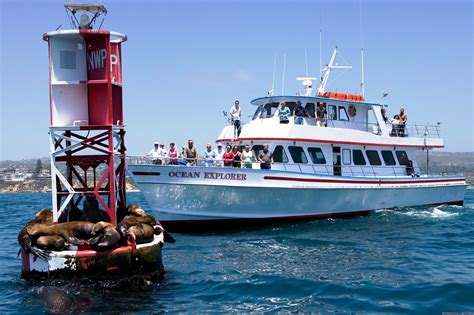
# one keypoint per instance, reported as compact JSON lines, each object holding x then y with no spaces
{"x":327,"y":70}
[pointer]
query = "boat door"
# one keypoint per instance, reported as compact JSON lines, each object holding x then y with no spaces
{"x":336,"y":160}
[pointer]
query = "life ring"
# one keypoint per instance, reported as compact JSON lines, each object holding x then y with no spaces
{"x":352,"y":110}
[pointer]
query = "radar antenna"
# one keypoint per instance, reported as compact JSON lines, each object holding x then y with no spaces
{"x":327,"y":70}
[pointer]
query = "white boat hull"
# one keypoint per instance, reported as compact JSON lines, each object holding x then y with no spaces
{"x":187,"y":195}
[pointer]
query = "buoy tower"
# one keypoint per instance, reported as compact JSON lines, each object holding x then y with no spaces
{"x":86,"y":113}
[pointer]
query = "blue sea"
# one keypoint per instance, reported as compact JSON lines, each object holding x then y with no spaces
{"x":410,"y":260}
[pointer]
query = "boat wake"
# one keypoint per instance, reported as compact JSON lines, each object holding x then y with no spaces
{"x":432,"y":212}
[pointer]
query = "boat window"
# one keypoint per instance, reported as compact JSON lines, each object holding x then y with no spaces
{"x":346,"y":156}
{"x":297,"y":154}
{"x":373,"y":157}
{"x":310,"y":109}
{"x":343,"y":113}
{"x":257,"y":148}
{"x":291,"y":106}
{"x":332,"y":112}
{"x":268,"y":110}
{"x":358,"y":157}
{"x":402,"y":157}
{"x":317,"y":156}
{"x":388,"y":158}
{"x":257,"y":112}
{"x":279,"y":155}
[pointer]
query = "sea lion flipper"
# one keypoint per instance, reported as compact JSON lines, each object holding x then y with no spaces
{"x":168,"y":238}
{"x":74,"y":241}
{"x":95,"y":240}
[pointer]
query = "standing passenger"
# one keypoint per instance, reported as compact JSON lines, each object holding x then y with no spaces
{"x":237,"y":157}
{"x":154,"y":153}
{"x":209,"y":155}
{"x":321,"y":115}
{"x":219,"y":155}
{"x":236,"y":114}
{"x":161,"y":154}
{"x":172,"y":154}
{"x":403,"y":121}
{"x":265,"y":158}
{"x":190,"y":153}
{"x":284,"y":112}
{"x":247,"y":157}
{"x":300,"y":113}
{"x":228,"y":156}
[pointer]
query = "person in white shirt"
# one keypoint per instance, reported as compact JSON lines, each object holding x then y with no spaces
{"x":161,"y":154}
{"x":236,"y":114}
{"x":219,"y":157}
{"x":154,"y":153}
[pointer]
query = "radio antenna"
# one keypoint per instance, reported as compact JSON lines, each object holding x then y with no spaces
{"x":362,"y":82}
{"x":306,"y":61}
{"x":320,"y":48}
{"x":284,"y":70}
{"x":272,"y":91}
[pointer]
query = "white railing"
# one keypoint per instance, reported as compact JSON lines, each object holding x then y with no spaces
{"x":414,"y":130}
{"x":317,"y":169}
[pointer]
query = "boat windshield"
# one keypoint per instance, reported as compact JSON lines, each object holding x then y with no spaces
{"x":268,"y":110}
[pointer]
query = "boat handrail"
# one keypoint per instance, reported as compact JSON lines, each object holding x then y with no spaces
{"x":373,"y":171}
{"x":414,"y":130}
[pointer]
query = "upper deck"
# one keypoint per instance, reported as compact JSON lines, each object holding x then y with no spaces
{"x":348,"y":122}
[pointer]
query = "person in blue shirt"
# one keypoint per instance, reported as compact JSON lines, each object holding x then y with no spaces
{"x":300,"y":113}
{"x":284,"y":113}
{"x":209,"y":155}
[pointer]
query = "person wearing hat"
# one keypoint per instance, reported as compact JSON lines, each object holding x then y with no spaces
{"x":236,"y":114}
{"x":300,"y":113}
{"x":219,"y":158}
{"x":154,"y":153}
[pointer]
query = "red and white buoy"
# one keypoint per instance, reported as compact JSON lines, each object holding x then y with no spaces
{"x":87,"y":140}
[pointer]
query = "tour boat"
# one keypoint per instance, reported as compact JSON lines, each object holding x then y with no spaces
{"x":352,"y":165}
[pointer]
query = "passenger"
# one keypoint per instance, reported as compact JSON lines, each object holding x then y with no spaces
{"x":248,"y":157}
{"x":411,"y":170}
{"x":300,"y":113}
{"x":403,"y":121}
{"x":190,"y":154}
{"x":172,"y":154}
{"x":182,"y":159}
{"x":284,"y":112}
{"x":265,"y":158}
{"x":161,"y":154}
{"x":395,"y":126}
{"x":321,"y":115}
{"x":228,"y":156}
{"x":209,"y":155}
{"x":154,"y":153}
{"x":219,"y":155}
{"x":237,"y":157}
{"x":236,"y":114}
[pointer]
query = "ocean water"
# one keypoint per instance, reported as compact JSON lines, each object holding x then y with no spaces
{"x":411,"y":260}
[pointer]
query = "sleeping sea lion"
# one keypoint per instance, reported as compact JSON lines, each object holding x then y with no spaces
{"x":143,"y":237}
{"x":150,"y":220}
{"x":106,"y":236}
{"x":52,"y":242}
{"x":44,"y":216}
{"x":70,"y":231}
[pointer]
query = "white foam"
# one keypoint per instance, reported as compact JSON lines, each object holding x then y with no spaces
{"x":430,"y":213}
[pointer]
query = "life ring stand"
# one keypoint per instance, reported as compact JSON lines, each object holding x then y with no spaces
{"x":352,"y":110}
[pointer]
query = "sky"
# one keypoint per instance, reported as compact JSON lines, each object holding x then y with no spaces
{"x":186,"y":61}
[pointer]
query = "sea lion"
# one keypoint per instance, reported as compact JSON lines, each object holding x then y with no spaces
{"x":44,"y":216}
{"x":52,"y":242}
{"x":72,"y":232}
{"x":106,"y":236}
{"x":71,"y":214}
{"x":143,"y":237}
{"x":150,"y":220}
{"x":56,"y":300}
{"x":92,"y":212}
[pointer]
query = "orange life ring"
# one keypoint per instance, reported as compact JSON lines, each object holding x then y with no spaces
{"x":352,"y":110}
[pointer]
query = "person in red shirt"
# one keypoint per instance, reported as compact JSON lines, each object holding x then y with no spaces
{"x":228,"y":156}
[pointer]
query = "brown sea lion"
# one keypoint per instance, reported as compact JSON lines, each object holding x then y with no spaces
{"x":72,"y":232}
{"x":52,"y":242}
{"x":92,"y":211}
{"x":143,"y":237}
{"x":44,"y":216}
{"x":105,"y":236}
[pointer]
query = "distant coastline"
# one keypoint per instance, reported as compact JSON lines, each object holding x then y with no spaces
{"x":33,"y":175}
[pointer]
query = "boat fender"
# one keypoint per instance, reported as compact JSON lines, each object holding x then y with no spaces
{"x":352,"y":110}
{"x":132,"y":242}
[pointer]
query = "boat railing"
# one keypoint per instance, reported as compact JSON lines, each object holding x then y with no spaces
{"x":317,"y":169}
{"x":414,"y":130}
